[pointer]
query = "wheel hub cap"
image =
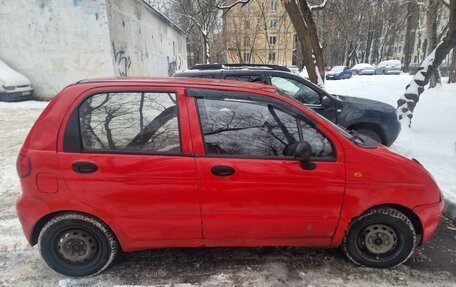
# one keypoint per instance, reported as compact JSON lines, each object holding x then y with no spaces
{"x":77,"y":245}
{"x":379,"y":238}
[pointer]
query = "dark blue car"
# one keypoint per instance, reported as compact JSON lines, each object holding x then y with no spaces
{"x":339,"y":73}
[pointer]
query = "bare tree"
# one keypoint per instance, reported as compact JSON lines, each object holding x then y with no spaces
{"x":407,"y":102}
{"x":204,"y":16}
{"x":300,"y":13}
{"x":452,"y":71}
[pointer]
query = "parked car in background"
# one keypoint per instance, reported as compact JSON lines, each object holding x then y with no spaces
{"x":13,"y":86}
{"x":374,"y":119}
{"x":362,"y":69}
{"x":339,"y":73}
{"x":389,"y":67}
{"x":125,"y":164}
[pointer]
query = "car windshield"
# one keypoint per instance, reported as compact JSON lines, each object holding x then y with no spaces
{"x":337,"y":69}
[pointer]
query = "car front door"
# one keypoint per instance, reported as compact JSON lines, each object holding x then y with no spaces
{"x":251,"y":186}
{"x":306,"y":94}
{"x":127,"y":155}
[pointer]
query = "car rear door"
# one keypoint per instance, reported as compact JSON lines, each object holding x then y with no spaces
{"x":127,"y":154}
{"x":251,"y":188}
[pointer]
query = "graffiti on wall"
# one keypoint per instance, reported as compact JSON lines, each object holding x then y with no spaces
{"x":174,"y":64}
{"x":122,"y":61}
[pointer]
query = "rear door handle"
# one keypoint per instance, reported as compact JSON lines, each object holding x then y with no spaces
{"x":222,"y":170}
{"x":84,"y":167}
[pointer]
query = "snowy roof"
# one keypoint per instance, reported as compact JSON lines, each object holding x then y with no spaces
{"x":164,"y":18}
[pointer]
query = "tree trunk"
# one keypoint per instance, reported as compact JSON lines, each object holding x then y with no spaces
{"x":206,"y":54}
{"x":300,"y":26}
{"x":452,"y":72}
{"x":431,"y":33}
{"x":407,"y":102}
{"x":370,"y":37}
{"x":412,"y":23}
{"x":312,"y":53}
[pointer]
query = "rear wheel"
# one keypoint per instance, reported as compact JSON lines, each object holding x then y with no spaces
{"x":381,"y":238}
{"x":76,"y":245}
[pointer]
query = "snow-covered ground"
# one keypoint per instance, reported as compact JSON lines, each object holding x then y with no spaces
{"x":431,"y":140}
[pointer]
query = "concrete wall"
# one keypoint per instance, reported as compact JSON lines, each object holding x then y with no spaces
{"x":143,"y":41}
{"x":55,"y":42}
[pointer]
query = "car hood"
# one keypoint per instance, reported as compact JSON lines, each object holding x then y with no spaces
{"x":366,"y":104}
{"x":9,"y":77}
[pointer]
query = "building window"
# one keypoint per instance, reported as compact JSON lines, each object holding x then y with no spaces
{"x":273,"y":23}
{"x":247,"y":57}
{"x":273,"y":5}
{"x":295,"y":38}
{"x":272,"y":57}
{"x":272,"y":40}
{"x":246,"y":24}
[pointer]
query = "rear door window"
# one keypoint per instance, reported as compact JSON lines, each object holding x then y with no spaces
{"x":144,"y":122}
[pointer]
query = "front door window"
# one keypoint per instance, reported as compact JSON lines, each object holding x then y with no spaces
{"x":247,"y":128}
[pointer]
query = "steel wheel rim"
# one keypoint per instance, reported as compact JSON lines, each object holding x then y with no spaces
{"x":378,"y":239}
{"x":77,"y":246}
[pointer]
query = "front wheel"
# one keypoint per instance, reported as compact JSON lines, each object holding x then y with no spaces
{"x":76,"y":245}
{"x":381,"y":238}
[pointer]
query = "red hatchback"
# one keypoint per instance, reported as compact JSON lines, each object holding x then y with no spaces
{"x":137,"y":163}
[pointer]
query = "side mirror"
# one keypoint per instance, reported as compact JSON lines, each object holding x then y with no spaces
{"x":325,"y":101}
{"x":302,"y":153}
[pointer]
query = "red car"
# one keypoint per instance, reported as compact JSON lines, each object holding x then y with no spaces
{"x":136,"y":163}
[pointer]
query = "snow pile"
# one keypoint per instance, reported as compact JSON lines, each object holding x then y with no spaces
{"x":432,"y":138}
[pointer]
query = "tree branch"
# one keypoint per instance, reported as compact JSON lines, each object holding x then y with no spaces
{"x":321,"y":6}
{"x":228,"y":7}
{"x":446,"y":3}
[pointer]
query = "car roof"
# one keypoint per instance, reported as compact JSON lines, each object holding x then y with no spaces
{"x":180,"y":81}
{"x":363,"y":65}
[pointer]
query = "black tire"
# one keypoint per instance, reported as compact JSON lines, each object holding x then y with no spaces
{"x":366,"y":240}
{"x":370,"y":133}
{"x":76,"y":245}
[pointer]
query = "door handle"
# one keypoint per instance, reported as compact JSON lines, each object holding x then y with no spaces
{"x":222,"y":170}
{"x":84,"y":167}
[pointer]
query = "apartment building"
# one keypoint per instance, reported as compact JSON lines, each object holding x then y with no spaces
{"x":259,"y":33}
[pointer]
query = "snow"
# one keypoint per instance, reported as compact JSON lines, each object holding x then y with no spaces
{"x":432,"y":137}
{"x":362,"y":66}
{"x":431,"y":140}
{"x":10,"y":77}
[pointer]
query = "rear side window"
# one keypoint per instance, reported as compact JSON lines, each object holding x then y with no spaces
{"x":245,"y":78}
{"x":130,"y":121}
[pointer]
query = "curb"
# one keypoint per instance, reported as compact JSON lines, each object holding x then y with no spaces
{"x":449,"y":210}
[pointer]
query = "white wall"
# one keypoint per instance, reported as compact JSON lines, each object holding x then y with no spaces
{"x":143,"y":43}
{"x":55,"y":42}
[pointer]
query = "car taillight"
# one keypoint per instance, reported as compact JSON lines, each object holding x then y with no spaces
{"x":23,"y":165}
